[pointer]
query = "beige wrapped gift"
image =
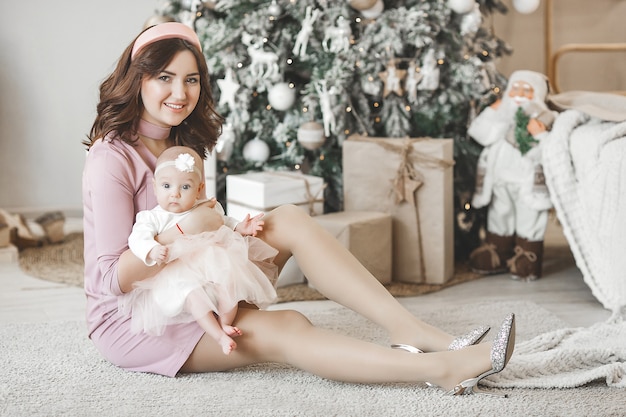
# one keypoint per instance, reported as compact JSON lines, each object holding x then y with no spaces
{"x":367,"y":235}
{"x":411,"y":179}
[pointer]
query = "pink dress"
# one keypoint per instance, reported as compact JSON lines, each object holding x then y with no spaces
{"x":221,"y":268}
{"x":117,"y":184}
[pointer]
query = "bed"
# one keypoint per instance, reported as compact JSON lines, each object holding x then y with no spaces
{"x":584,"y":160}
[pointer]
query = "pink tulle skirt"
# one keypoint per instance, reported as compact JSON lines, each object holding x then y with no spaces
{"x":208,"y":272}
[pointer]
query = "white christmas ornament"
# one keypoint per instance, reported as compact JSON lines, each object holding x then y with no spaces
{"x":274,"y":9}
{"x":337,"y":38}
{"x":461,"y":6}
{"x":311,"y":135}
{"x":302,"y":39}
{"x":526,"y":6}
{"x":413,"y":77}
{"x":264,"y":64}
{"x":228,"y":87}
{"x":470,"y":23}
{"x":281,"y":97}
{"x":430,"y":72}
{"x":362,"y":4}
{"x":225,"y":143}
{"x":375,"y":11}
{"x":256,"y":150}
{"x":326,"y":95}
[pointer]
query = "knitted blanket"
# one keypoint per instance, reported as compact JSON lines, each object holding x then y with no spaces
{"x":584,"y":160}
{"x":568,"y":358}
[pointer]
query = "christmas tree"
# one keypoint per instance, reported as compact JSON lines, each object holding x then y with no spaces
{"x":295,"y":78}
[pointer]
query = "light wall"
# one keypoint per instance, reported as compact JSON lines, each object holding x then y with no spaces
{"x":573,"y":22}
{"x":54,"y":55}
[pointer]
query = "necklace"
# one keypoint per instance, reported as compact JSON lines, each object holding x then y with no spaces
{"x":152,"y":131}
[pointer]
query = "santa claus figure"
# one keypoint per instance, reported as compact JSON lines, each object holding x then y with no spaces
{"x":510,"y":179}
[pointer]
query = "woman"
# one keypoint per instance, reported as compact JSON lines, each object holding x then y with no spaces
{"x":158,"y":96}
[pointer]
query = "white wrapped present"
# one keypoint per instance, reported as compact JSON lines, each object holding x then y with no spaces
{"x":261,"y":192}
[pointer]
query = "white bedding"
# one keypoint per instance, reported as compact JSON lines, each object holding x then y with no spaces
{"x":585,"y":167}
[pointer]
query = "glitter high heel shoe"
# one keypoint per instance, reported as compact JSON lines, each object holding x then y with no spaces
{"x":501,"y":352}
{"x":472,"y":338}
{"x":469,"y":339}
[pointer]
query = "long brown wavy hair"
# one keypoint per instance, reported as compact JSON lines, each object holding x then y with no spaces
{"x":120,"y":105}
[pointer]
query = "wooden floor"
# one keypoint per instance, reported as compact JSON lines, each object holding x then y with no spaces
{"x":561,"y":290}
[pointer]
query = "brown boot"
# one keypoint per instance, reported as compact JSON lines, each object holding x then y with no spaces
{"x":526,"y":264}
{"x":490,"y":257}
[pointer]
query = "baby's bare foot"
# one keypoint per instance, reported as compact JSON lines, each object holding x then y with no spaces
{"x":228,"y":344}
{"x":231,"y":330}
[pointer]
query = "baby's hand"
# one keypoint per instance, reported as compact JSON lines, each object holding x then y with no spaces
{"x":251,"y":226}
{"x":158,"y":254}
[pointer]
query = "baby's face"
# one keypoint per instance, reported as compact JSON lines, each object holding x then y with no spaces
{"x":177,"y":191}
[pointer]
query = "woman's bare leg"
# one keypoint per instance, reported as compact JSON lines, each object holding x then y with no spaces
{"x":337,"y":274}
{"x":288,"y":337}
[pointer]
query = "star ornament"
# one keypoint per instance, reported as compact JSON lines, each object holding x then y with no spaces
{"x":404,"y":187}
{"x":228,"y":87}
{"x":392,"y":77}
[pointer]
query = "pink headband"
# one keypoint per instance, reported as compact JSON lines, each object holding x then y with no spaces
{"x":166,"y":30}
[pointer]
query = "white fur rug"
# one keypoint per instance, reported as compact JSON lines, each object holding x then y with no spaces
{"x":53,"y":369}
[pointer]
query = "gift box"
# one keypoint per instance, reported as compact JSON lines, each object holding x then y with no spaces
{"x":367,"y":235}
{"x":412,"y":180}
{"x":261,"y":192}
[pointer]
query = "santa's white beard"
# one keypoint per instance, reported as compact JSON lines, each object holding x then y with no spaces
{"x":507,"y":109}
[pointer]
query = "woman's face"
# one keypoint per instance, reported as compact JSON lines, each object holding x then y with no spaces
{"x":172,"y":95}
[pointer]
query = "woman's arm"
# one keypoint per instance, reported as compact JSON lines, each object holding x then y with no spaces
{"x":131,"y":269}
{"x":114,"y":189}
{"x":203,"y":218}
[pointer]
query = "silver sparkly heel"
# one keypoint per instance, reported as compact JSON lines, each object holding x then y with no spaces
{"x":469,"y":339}
{"x":501,"y":352}
{"x":472,"y":338}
